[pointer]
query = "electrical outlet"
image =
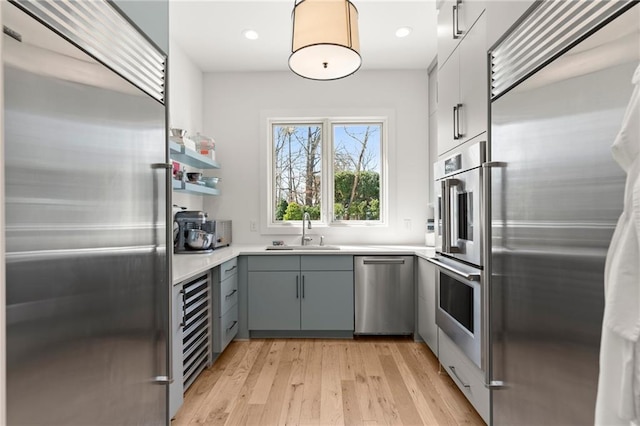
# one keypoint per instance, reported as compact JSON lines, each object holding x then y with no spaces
{"x":407,"y":224}
{"x":253,"y":226}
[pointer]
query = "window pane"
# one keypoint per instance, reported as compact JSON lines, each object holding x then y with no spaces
{"x":297,"y":174}
{"x":356,"y":163}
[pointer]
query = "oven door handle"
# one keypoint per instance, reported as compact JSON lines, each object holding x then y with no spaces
{"x":446,"y":215}
{"x":465,"y":275}
{"x":450,"y":212}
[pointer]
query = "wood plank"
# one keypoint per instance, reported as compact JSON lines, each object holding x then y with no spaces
{"x":310,"y":409}
{"x":413,"y":387}
{"x":370,"y":409}
{"x":346,"y":361}
{"x":292,"y":403}
{"x":240,"y":412}
{"x":260,"y":392}
{"x":273,"y":404}
{"x":331,"y":393}
{"x":350,"y":405}
{"x":198,"y":391}
{"x":216,"y":408}
{"x":403,"y":401}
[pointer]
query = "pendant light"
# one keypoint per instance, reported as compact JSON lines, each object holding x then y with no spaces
{"x":325,"y":42}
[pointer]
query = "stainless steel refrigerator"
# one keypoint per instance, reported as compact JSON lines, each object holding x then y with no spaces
{"x":556,"y":195}
{"x":87,"y":269}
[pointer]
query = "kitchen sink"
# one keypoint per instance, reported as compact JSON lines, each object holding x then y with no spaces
{"x":309,"y":247}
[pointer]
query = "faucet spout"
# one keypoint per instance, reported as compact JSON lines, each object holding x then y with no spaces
{"x":306,"y":218}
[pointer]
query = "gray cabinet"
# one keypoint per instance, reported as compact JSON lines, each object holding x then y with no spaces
{"x":175,"y":388}
{"x":326,"y":300}
{"x":465,"y":374}
{"x":274,"y":300}
{"x":225,"y":305}
{"x":300,"y":292}
{"x":427,"y":328}
{"x":463,"y":89}
{"x":191,"y":335}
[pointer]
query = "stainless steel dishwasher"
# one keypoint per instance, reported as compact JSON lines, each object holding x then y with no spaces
{"x":384,"y":294}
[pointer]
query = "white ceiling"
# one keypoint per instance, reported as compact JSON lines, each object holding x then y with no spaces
{"x":210,"y":33}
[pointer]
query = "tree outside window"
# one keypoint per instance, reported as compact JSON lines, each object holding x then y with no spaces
{"x":356,"y":171}
{"x":297,"y":174}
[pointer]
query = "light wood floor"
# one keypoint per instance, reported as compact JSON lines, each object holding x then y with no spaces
{"x":324,"y":382}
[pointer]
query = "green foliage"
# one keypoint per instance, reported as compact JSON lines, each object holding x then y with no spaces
{"x":314,"y":212}
{"x":293,"y":212}
{"x":366,"y":203}
{"x":281,"y":209}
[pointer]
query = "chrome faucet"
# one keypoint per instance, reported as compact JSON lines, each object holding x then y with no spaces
{"x":306,"y":218}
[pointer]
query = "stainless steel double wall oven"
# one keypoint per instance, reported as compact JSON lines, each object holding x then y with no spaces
{"x":459,"y":247}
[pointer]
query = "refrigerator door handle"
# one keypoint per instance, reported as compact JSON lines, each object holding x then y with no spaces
{"x":168,"y":379}
{"x":166,"y":166}
{"x":487,"y":364}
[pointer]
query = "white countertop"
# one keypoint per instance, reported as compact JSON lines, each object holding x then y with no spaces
{"x":188,"y":265}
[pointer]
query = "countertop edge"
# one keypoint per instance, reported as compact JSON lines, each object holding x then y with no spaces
{"x":186,"y":266}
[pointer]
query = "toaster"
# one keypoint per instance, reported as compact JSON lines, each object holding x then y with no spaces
{"x":221,"y":229}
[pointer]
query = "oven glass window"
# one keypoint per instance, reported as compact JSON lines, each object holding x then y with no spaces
{"x":456,"y":299}
{"x":465,"y":216}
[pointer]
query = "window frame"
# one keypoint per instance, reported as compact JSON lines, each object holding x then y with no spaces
{"x":327,"y":152}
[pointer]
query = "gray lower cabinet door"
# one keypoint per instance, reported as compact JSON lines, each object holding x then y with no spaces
{"x":327,"y":300}
{"x":274,"y":300}
{"x":427,"y":327}
{"x":177,"y":321}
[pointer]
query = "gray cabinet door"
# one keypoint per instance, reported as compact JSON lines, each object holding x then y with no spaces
{"x":427,"y":304}
{"x":274,"y":300}
{"x":176,"y":388}
{"x":327,"y":300}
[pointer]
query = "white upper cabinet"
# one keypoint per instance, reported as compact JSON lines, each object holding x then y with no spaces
{"x":474,"y":86}
{"x":463,"y":90}
{"x":455,"y":19}
{"x":501,"y":15}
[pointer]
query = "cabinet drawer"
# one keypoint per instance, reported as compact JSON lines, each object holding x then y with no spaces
{"x":228,"y":294}
{"x":273,"y":263}
{"x":228,"y":268}
{"x":326,"y":263}
{"x":465,"y":374}
{"x":226,"y":329}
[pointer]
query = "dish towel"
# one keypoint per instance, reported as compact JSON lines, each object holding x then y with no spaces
{"x":618,"y":400}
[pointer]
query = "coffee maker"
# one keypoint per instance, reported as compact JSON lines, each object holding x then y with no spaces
{"x":188,"y":236}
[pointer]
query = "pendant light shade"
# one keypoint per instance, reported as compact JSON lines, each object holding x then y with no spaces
{"x":325,"y":44}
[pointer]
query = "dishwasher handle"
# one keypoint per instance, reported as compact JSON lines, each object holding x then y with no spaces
{"x":382,"y":261}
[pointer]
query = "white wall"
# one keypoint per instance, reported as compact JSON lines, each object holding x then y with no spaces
{"x":185,"y":106}
{"x":151,"y":16}
{"x":235,"y":107}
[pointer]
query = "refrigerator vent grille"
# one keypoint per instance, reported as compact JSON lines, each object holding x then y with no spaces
{"x":101,"y":31}
{"x":549,"y":30}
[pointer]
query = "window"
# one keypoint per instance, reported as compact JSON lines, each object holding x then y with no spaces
{"x":297,"y":170}
{"x":356,"y":171}
{"x":332,"y":169}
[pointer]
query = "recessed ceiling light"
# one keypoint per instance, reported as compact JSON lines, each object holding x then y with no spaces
{"x":250,"y":34}
{"x":403,"y":32}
